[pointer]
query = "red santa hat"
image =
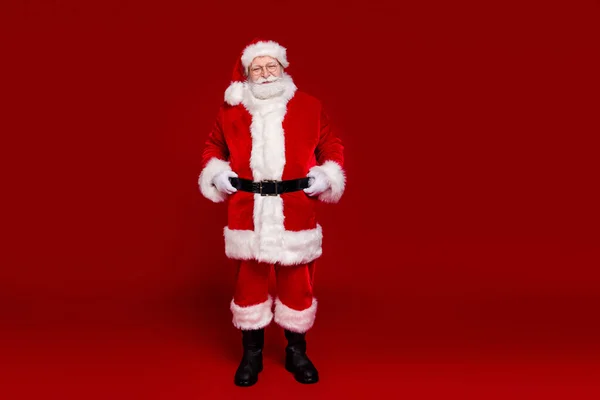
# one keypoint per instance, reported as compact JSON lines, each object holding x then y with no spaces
{"x":258,"y":47}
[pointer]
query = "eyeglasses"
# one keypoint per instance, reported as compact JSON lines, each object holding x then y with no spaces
{"x":257,"y":69}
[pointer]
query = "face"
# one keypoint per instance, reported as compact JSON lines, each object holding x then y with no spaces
{"x":264,"y":67}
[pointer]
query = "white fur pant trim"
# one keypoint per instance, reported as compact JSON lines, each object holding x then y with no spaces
{"x":294,"y":320}
{"x":252,"y":317}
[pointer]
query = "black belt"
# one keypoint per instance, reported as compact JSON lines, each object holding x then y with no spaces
{"x":269,"y":187}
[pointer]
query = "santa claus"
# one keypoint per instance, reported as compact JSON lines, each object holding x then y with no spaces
{"x":272,"y":154}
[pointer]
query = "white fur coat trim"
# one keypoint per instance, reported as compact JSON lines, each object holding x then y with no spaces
{"x":270,"y":242}
{"x":252,"y":317}
{"x":213,"y":167}
{"x":294,"y":320}
{"x":265,"y":48}
{"x":283,"y":247}
{"x":337,"y":179}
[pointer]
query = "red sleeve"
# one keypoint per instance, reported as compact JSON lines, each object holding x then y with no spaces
{"x":330,"y":161}
{"x":330,"y":146}
{"x":214,"y":161}
{"x":215,"y":146}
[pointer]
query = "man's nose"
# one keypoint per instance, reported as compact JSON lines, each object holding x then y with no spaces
{"x":264,"y":73}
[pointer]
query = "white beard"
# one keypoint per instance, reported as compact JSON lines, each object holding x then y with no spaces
{"x":263,"y":91}
{"x":276,"y":94}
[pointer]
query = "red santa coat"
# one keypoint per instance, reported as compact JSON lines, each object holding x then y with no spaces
{"x":275,"y":139}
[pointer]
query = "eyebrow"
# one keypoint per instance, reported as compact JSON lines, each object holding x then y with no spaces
{"x":266,"y":65}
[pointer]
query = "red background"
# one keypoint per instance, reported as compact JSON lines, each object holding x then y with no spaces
{"x":463,"y":257}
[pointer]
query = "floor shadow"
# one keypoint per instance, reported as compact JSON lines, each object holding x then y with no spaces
{"x":204,"y":310}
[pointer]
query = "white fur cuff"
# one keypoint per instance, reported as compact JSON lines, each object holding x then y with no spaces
{"x":337,"y":178}
{"x":213,"y":167}
{"x":294,"y":320}
{"x":252,"y":317}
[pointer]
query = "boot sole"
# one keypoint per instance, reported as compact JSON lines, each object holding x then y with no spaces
{"x":248,"y":383}
{"x":306,"y":382}
{"x":245,"y":383}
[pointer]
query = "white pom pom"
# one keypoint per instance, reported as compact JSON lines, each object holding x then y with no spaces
{"x":235,"y":93}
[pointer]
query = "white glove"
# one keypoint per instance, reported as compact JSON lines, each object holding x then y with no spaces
{"x":318,"y":183}
{"x":221,"y":182}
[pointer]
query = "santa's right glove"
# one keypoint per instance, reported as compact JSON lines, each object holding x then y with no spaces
{"x":221,"y":182}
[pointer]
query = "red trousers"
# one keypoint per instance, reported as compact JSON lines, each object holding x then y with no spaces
{"x":295,"y":305}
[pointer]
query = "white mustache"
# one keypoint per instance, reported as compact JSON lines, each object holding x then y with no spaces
{"x":271,"y":78}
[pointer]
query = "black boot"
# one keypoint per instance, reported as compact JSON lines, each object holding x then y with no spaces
{"x":252,"y":360}
{"x":296,"y":360}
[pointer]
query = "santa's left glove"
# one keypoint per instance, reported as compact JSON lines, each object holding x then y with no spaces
{"x":318,"y":183}
{"x":221,"y":182}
